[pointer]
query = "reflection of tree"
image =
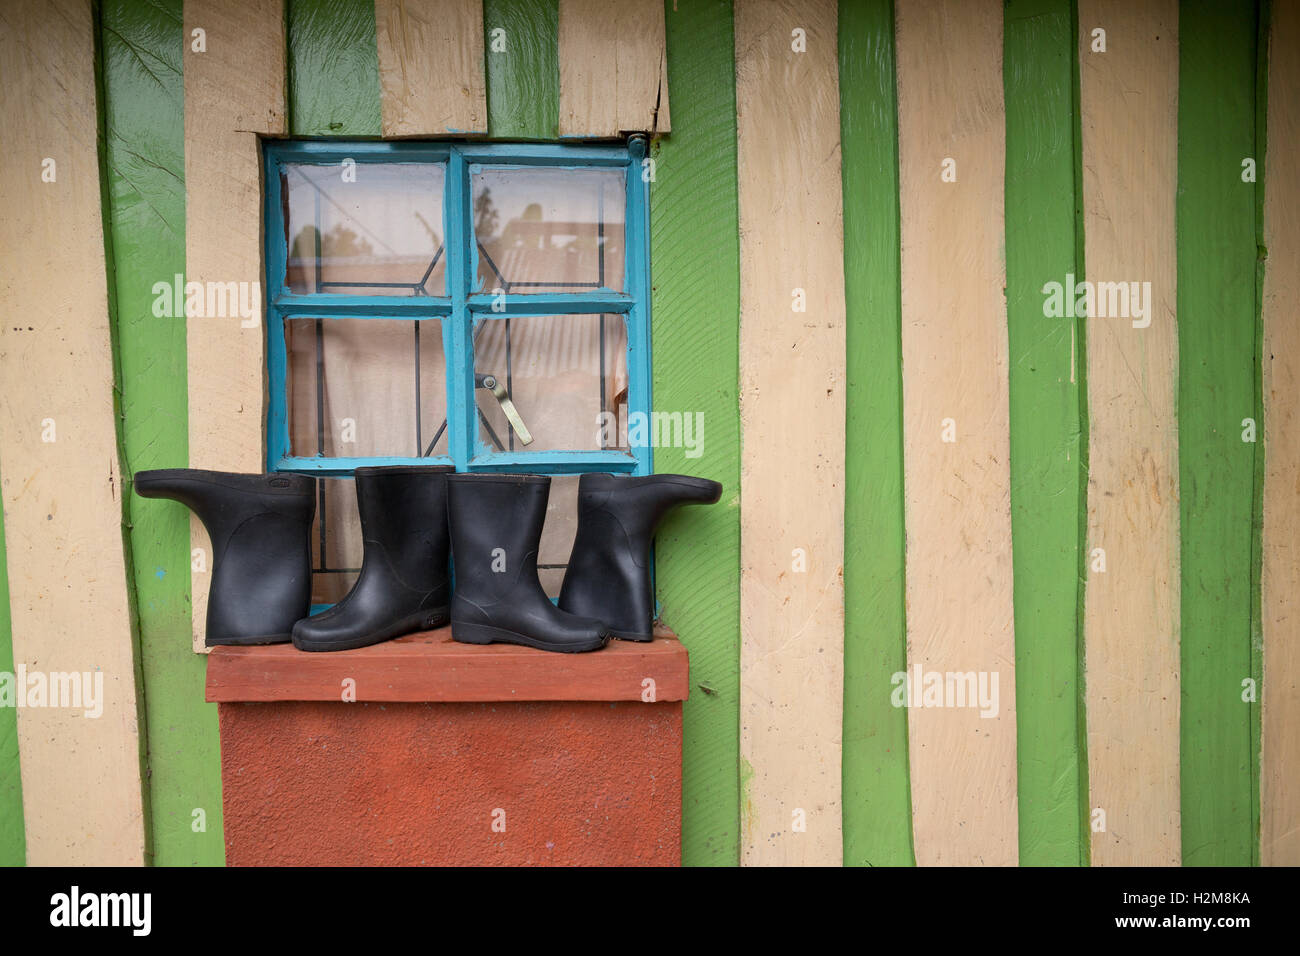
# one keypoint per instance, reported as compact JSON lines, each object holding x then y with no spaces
{"x":339,"y":243}
{"x":485,"y":216}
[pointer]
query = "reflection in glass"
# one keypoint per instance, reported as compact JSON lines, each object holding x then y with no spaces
{"x":360,"y":387}
{"x":381,"y":234}
{"x":548,"y":230}
{"x":566,"y":375}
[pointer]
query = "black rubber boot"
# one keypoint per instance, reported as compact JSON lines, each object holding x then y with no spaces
{"x":260,"y":526}
{"x":404,"y":584}
{"x":496,"y":524}
{"x":609,"y":571}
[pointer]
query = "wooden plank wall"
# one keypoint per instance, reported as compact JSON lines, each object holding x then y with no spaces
{"x":1129,"y":103}
{"x":613,"y":68}
{"x":431,"y":67}
{"x":71,"y":612}
{"x":792,"y":408}
{"x":956,"y":428}
{"x":695,"y":262}
{"x":877,"y":792}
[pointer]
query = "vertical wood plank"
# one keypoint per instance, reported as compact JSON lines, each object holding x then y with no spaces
{"x":792,"y":417}
{"x":234,"y":90}
{"x":431,"y":66}
{"x":1218,"y":360}
{"x":144,"y":142}
{"x":958,"y":506}
{"x":1279,"y":796}
{"x":1129,"y":104}
{"x":333,"y":68}
{"x":695,"y":249}
{"x":523,"y":80}
{"x":613,"y":68}
{"x":1048,"y":429}
{"x":62,"y":482}
{"x":877,"y":795}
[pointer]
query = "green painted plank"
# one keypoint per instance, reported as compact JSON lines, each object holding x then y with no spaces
{"x":144,"y":154}
{"x":1261,"y":452}
{"x":876,"y":784}
{"x":13,"y":835}
{"x":1081,"y":373}
{"x":695,"y":300}
{"x":333,"y":68}
{"x":523,"y":68}
{"x":1218,"y":386}
{"x":1047,"y":402}
{"x":119,"y":431}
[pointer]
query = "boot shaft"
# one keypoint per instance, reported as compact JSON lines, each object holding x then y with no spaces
{"x":496,"y":525}
{"x":225,"y":500}
{"x":637,"y":505}
{"x":403,"y":513}
{"x":260,"y":529}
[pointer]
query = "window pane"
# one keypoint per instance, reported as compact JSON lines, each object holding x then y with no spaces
{"x":548,"y":230}
{"x":566,"y":376}
{"x":379,"y":235}
{"x":334,"y":576}
{"x":353,"y":386}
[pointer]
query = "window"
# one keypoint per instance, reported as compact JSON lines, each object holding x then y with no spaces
{"x":483,"y":306}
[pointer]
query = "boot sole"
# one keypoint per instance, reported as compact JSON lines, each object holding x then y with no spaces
{"x":630,"y":636}
{"x":424,"y":621}
{"x":254,"y":641}
{"x":485,"y":634}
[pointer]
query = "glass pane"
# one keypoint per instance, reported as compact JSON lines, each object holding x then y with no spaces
{"x":566,"y":376}
{"x":548,"y":230}
{"x":336,"y":512}
{"x":355,"y":388}
{"x":379,"y":235}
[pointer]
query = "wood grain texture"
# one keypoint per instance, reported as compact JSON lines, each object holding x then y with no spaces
{"x":877,"y":795}
{"x":430,"y":666}
{"x":333,"y":68}
{"x":1129,"y":103}
{"x":957,"y":493}
{"x":62,"y":480}
{"x":144,"y":144}
{"x":234,"y":91}
{"x":695,"y":262}
{"x":1049,"y":478}
{"x":1218,"y":361}
{"x":1280,"y":758}
{"x":792,"y":419}
{"x":523,"y":80}
{"x":431,"y":67}
{"x":613,"y":68}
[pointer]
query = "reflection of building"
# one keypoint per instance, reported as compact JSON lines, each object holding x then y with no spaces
{"x":561,"y":256}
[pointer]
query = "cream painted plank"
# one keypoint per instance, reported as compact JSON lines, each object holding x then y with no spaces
{"x":957,"y":492}
{"x":62,"y":481}
{"x":234,"y":90}
{"x":792,"y":413}
{"x":431,"y":66}
{"x":1279,"y":795}
{"x":1130,"y":136}
{"x":613,"y":68}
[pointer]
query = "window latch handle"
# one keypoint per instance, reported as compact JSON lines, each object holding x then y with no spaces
{"x":498,"y":390}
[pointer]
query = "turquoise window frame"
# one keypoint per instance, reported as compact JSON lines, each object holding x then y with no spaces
{"x":462,"y":306}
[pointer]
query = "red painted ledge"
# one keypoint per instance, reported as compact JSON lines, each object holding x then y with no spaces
{"x":431,"y":667}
